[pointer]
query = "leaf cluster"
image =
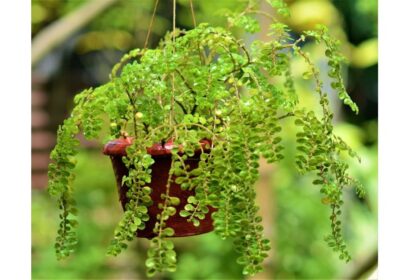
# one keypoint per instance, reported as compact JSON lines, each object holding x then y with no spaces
{"x":206,"y":84}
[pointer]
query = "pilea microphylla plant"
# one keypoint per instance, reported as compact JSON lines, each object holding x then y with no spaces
{"x":205,"y":84}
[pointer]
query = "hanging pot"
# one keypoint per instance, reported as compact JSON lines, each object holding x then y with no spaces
{"x":160,"y":173}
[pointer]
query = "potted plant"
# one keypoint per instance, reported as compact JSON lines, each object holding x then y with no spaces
{"x":188,"y":123}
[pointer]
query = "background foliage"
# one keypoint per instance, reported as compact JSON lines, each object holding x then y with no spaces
{"x":297,"y":221}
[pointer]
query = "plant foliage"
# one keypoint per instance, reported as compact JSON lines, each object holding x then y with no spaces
{"x":206,"y":84}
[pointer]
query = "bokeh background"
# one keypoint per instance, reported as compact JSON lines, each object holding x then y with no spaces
{"x":294,"y":218}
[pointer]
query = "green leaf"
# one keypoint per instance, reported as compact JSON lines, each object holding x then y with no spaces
{"x":196,"y":222}
{"x":174,"y":201}
{"x":307,"y":75}
{"x":142,"y":209}
{"x":192,"y":200}
{"x":150,"y":262}
{"x":137,"y":221}
{"x":133,"y":227}
{"x":168,"y":232}
{"x":184,"y":213}
{"x":189,"y":207}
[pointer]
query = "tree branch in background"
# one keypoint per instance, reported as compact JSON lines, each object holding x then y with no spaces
{"x":364,"y":266}
{"x":61,"y":29}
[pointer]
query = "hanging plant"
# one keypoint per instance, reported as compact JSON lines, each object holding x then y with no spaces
{"x":188,"y":123}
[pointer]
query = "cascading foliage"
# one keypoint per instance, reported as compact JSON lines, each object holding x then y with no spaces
{"x":206,"y":84}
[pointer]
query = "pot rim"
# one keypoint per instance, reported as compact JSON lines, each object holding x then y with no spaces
{"x":118,"y":147}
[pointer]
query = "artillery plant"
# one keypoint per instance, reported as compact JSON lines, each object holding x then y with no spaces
{"x":199,"y":84}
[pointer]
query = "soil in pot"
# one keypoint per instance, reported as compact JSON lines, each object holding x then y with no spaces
{"x":160,"y":173}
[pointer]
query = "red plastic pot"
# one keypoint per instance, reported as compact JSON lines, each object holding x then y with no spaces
{"x":160,"y":173}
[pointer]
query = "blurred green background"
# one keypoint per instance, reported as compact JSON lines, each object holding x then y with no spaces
{"x":294,"y":217}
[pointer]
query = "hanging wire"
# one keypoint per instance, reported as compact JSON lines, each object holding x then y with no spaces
{"x":193,"y":14}
{"x":173,"y":17}
{"x":172,"y":113}
{"x":151,"y":24}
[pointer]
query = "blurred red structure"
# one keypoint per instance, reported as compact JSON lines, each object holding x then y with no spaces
{"x":42,"y":139}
